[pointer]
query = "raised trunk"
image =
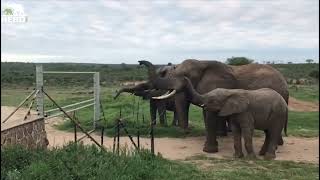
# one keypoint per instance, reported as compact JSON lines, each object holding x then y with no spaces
{"x":151,"y":69}
{"x":156,"y":81}
{"x":196,"y":98}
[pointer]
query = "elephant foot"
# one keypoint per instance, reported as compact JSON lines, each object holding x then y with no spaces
{"x":269,"y":156}
{"x":262,"y":152}
{"x":187,"y":130}
{"x":280,"y":141}
{"x":251,"y":156}
{"x":222,"y":133}
{"x":210,"y":148}
{"x":238,"y":155}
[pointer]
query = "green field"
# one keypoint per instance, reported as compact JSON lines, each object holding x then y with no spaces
{"x":14,"y":74}
{"x":305,"y":93}
{"x":88,"y":162}
{"x":300,"y":123}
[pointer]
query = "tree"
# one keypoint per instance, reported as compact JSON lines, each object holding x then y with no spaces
{"x":238,"y":61}
{"x":309,"y":61}
{"x":314,"y":74}
{"x":289,"y":62}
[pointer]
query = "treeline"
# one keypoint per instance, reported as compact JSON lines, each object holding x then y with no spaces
{"x":23,"y":74}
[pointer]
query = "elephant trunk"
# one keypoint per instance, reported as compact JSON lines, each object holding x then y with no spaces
{"x":151,"y":69}
{"x":129,"y":90}
{"x":196,"y":98}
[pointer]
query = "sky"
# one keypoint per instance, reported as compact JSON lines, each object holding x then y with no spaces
{"x":161,"y":31}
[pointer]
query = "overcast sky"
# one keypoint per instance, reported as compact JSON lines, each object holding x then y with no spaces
{"x":162,"y":31}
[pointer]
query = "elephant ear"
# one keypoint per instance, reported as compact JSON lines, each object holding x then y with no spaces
{"x":234,"y":104}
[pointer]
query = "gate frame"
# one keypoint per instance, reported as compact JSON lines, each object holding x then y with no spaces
{"x":40,"y":94}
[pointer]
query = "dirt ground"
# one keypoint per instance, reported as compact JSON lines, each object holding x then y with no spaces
{"x":302,"y":106}
{"x":295,"y":148}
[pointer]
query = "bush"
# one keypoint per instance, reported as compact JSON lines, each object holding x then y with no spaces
{"x":239,"y":61}
{"x":314,"y":74}
{"x":89,"y":162}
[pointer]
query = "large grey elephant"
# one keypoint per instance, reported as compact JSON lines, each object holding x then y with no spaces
{"x":159,"y":106}
{"x":262,"y":109}
{"x":206,"y":76}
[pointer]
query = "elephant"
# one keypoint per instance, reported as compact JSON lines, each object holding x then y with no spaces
{"x":155,"y":105}
{"x":206,"y":76}
{"x":262,"y":109}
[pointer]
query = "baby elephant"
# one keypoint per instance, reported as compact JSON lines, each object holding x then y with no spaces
{"x":262,"y":109}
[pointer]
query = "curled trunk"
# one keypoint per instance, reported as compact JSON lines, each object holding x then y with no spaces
{"x":196,"y":98}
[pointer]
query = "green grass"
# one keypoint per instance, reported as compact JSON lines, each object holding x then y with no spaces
{"x":88,"y":162}
{"x":300,"y":123}
{"x":305,"y":93}
{"x":242,"y":169}
{"x":304,"y":124}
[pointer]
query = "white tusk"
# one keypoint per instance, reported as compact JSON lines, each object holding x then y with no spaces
{"x":166,"y":95}
{"x":202,"y":105}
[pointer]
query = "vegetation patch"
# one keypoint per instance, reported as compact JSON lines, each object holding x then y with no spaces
{"x":89,"y":162}
{"x":255,"y":169}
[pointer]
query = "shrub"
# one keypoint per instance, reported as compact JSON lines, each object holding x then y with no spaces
{"x":238,"y":61}
{"x":314,"y":74}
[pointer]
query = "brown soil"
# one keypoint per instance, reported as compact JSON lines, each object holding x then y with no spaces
{"x":302,"y":106}
{"x":295,"y":148}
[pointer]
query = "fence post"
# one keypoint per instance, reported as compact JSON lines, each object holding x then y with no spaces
{"x":96,"y":80}
{"x":102,"y":134}
{"x":39,"y":86}
{"x":152,"y":137}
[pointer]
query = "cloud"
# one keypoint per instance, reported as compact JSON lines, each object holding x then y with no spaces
{"x":114,"y":31}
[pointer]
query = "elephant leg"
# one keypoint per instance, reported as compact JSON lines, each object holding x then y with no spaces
{"x":211,"y":144}
{"x":247,"y":133}
{"x":265,"y":144}
{"x":229,"y":128}
{"x":236,"y":132}
{"x":153,"y":111}
{"x":175,"y":119}
{"x":181,"y":104}
{"x":280,"y":142}
{"x":162,"y":113}
{"x":222,"y":127}
{"x":274,"y":139}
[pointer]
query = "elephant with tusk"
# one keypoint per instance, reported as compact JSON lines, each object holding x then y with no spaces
{"x":209,"y":75}
{"x":160,"y":106}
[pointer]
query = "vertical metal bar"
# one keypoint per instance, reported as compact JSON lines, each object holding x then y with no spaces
{"x":39,"y":87}
{"x":138,"y":137}
{"x":75,"y":127}
{"x":118,"y":136}
{"x":143,"y":118}
{"x":75,"y":132}
{"x":138,"y":112}
{"x":152,"y":138}
{"x":96,"y":90}
{"x":102,"y":134}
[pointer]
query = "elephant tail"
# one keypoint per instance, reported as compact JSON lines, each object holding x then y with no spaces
{"x":286,"y":124}
{"x":286,"y":118}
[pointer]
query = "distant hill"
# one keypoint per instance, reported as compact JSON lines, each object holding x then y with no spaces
{"x":23,"y":74}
